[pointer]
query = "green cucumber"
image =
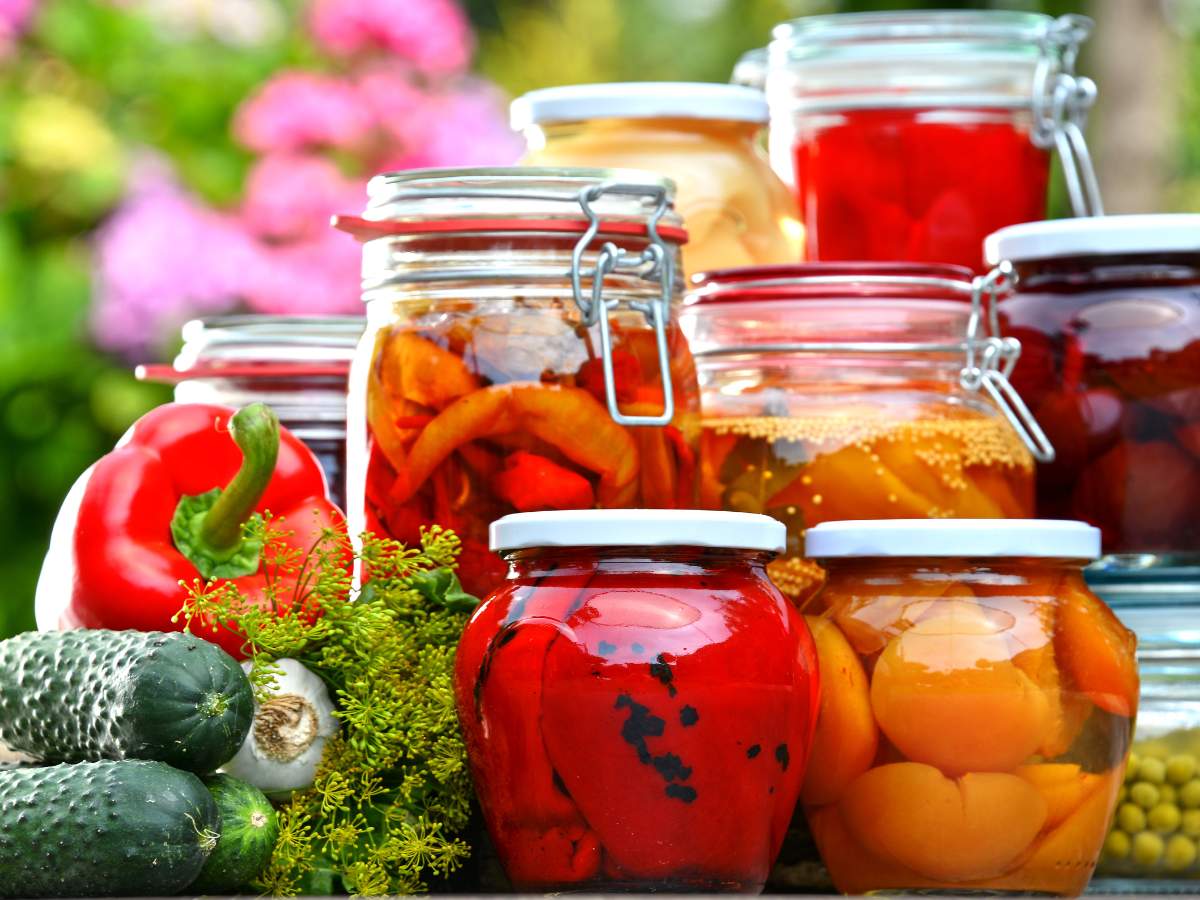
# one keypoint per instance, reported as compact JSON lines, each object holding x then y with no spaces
{"x":70,"y":696}
{"x":103,"y":828}
{"x":248,"y":829}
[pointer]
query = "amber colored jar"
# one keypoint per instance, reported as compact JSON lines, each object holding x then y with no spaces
{"x":521,"y":353}
{"x":703,"y":136}
{"x":977,"y":706}
{"x":637,"y":700}
{"x":839,"y":391}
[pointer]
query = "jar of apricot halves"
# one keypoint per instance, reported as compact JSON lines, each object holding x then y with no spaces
{"x":976,"y":711}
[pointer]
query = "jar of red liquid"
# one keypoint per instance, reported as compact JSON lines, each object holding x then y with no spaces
{"x":1108,"y":311}
{"x":298,"y":365}
{"x":976,"y":709}
{"x":521,"y":353}
{"x":852,"y":391}
{"x":637,"y":701}
{"x":912,"y":135}
{"x":704,"y":136}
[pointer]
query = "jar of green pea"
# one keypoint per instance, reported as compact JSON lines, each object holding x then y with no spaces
{"x":1154,"y":842}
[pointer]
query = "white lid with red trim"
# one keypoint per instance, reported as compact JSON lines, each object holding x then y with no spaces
{"x":1095,"y":236}
{"x":640,"y":100}
{"x":1046,"y":538}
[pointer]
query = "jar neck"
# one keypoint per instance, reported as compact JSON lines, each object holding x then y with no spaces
{"x":1016,"y":572}
{"x":1108,"y":271}
{"x":581,"y":562}
{"x":645,"y":130}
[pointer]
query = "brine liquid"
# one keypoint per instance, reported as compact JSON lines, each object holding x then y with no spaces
{"x":807,"y":470}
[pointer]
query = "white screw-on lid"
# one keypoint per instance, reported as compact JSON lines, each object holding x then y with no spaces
{"x":1057,"y":538}
{"x":638,"y":528}
{"x":639,"y":100}
{"x":1094,"y":236}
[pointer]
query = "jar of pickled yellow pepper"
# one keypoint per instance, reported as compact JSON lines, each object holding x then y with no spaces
{"x":703,"y":136}
{"x":521,"y":353}
{"x":976,"y":711}
{"x":854,"y":391}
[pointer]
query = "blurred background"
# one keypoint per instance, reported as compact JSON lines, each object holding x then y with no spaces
{"x":163,"y":159}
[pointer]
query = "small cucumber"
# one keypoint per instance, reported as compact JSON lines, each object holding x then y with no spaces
{"x":70,"y":696}
{"x":248,"y":829}
{"x":131,"y":828}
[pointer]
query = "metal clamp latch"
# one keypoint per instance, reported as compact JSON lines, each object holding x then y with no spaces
{"x":654,"y":262}
{"x":1061,"y":101}
{"x":990,"y":361}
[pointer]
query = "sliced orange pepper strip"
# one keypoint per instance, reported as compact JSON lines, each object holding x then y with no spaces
{"x":569,"y":419}
{"x":415,"y":368}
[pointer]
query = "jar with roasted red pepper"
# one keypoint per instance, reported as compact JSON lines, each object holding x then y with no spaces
{"x":852,"y":391}
{"x":521,"y":353}
{"x":1108,"y":311}
{"x":912,"y":135}
{"x":637,"y":701}
{"x":976,"y":710}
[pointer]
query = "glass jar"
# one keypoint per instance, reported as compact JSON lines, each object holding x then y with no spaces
{"x":637,"y":701}
{"x":298,"y":365}
{"x":704,"y":136}
{"x":850,"y":392}
{"x":1152,"y":847}
{"x":976,"y":709}
{"x":912,"y":135}
{"x":1108,"y":312}
{"x":521,"y":353}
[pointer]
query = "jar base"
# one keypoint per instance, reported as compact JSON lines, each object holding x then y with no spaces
{"x":646,"y":887}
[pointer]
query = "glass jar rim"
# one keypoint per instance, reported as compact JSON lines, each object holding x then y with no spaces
{"x":638,"y":527}
{"x":972,"y":538}
{"x":639,"y":100}
{"x":831,"y":280}
{"x":1012,"y":27}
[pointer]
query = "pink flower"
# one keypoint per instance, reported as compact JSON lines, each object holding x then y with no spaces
{"x":431,"y":35}
{"x":14,"y":18}
{"x":290,"y":196}
{"x":297,"y":110}
{"x":162,"y":258}
{"x":318,"y":275}
{"x":388,"y":92}
{"x":463,"y":127}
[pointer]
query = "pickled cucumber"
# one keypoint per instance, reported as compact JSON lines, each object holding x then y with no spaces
{"x":1156,"y":829}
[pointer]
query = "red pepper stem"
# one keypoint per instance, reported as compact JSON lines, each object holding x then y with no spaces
{"x":255,"y":429}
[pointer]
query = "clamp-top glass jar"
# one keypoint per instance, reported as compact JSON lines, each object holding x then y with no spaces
{"x":704,"y":136}
{"x":521,"y":353}
{"x":913,"y":135}
{"x":298,"y":365}
{"x":856,"y":391}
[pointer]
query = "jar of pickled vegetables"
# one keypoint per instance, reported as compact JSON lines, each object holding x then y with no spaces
{"x":704,"y":136}
{"x":637,"y":701}
{"x":912,"y":135}
{"x":855,"y":391}
{"x":298,"y":365}
{"x":521,"y":353}
{"x":1153,"y":843}
{"x":1108,"y":311}
{"x":976,"y":709}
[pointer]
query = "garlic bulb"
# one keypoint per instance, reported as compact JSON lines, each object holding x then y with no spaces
{"x":284,"y":746}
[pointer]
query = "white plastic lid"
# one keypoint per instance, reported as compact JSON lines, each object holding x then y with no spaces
{"x":638,"y":528}
{"x":1057,"y":538}
{"x":639,"y":100}
{"x":1094,"y":236}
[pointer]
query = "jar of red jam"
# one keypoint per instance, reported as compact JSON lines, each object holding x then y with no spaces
{"x":521,"y":353}
{"x":851,"y":391}
{"x":976,"y":709}
{"x":637,"y":701}
{"x":912,"y":135}
{"x":298,"y":365}
{"x":1108,"y":311}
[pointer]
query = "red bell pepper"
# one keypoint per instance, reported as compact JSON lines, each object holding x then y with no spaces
{"x":168,"y":506}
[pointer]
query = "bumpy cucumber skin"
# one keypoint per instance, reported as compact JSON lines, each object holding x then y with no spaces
{"x":249,"y":827}
{"x":129,"y":828}
{"x":71,"y":696}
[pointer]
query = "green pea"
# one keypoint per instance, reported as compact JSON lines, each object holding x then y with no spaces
{"x":1117,"y":845}
{"x":1189,"y":822}
{"x":1164,"y":818}
{"x":1152,"y":770}
{"x":1147,"y":848}
{"x":1180,"y":853}
{"x":1167,"y":794}
{"x":1144,"y":795}
{"x":1189,"y":794}
{"x":1131,"y":767}
{"x":1131,"y":818}
{"x":1181,"y":768}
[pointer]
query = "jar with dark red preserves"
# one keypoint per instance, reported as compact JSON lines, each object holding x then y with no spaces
{"x":1108,"y":313}
{"x":637,"y":700}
